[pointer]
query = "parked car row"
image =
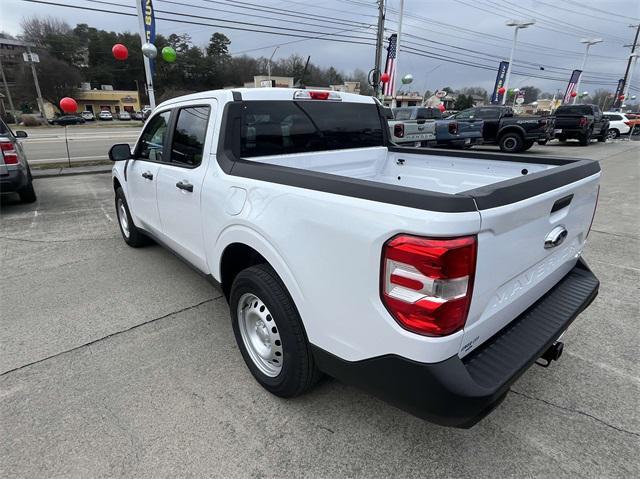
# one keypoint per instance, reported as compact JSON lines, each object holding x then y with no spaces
{"x":502,"y":126}
{"x":104,"y":115}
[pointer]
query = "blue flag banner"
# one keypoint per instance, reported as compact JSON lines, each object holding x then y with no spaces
{"x":496,"y":97}
{"x":619,"y":92}
{"x":573,"y":81}
{"x":149,"y":26}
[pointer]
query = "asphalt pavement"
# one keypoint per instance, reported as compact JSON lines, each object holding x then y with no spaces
{"x":121,"y":362}
{"x":87,"y":143}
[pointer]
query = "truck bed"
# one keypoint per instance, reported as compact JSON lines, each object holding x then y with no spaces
{"x":438,"y":172}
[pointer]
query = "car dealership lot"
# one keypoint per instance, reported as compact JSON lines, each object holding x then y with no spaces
{"x":122,"y":362}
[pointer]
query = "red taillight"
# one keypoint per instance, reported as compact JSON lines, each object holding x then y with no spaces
{"x":453,"y":128}
{"x":628,"y":123}
{"x":426,"y":283}
{"x":542,"y":122}
{"x":583,"y":121}
{"x":595,"y":207}
{"x":319,"y":95}
{"x":9,"y":153}
{"x":398,"y":130}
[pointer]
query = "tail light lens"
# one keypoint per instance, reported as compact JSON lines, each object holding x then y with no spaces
{"x":9,"y":152}
{"x":398,"y":130}
{"x":453,"y":128}
{"x":628,"y":123}
{"x":542,"y":122}
{"x":583,"y":121}
{"x":426,"y":283}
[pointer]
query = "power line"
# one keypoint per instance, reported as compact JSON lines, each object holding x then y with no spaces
{"x":618,"y":15}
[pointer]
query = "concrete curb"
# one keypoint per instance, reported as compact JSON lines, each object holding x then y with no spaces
{"x":73,"y":171}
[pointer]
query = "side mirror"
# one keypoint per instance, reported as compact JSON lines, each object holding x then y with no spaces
{"x":120,"y":152}
{"x":21,"y":134}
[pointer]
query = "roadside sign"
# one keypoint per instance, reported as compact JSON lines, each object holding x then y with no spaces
{"x":31,"y":57}
{"x":520,"y":100}
{"x":440,"y":94}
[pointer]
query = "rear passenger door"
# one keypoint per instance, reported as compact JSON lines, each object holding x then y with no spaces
{"x":180,"y":180}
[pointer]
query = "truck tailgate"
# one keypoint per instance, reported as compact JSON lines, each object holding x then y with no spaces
{"x":524,"y":249}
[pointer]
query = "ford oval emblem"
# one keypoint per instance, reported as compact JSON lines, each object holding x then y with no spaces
{"x":556,"y":237}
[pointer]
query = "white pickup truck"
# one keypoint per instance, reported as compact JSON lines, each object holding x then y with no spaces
{"x":430,"y":278}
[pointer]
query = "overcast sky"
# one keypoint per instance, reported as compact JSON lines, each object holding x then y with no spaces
{"x":446,"y":31}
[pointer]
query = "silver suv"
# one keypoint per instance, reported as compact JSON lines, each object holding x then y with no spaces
{"x":15,"y":175}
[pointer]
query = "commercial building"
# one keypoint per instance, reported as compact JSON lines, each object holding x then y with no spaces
{"x":107,"y":98}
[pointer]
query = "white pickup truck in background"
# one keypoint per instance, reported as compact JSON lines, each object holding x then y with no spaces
{"x":430,"y":278}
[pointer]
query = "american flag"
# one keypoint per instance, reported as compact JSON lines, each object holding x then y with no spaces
{"x":573,"y":81}
{"x":390,"y":67}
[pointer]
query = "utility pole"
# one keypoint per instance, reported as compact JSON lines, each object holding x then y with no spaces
{"x":6,"y":86}
{"x":35,"y":80}
{"x":395,"y":69}
{"x":147,"y":62}
{"x":617,"y":102}
{"x":379,"y":40}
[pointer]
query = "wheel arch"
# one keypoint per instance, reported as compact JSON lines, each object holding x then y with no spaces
{"x":511,"y":129}
{"x":240,"y":247}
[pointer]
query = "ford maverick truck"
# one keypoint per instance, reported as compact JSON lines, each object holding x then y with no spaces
{"x":431,"y":278}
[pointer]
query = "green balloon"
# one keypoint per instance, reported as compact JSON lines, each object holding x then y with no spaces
{"x":168,"y":54}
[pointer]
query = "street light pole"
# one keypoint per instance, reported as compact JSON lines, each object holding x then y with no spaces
{"x":395,"y":69}
{"x":269,"y":64}
{"x":518,"y":25}
{"x":617,"y":101}
{"x":588,"y":42}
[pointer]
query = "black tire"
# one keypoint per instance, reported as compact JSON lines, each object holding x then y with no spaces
{"x":298,"y":371}
{"x":511,"y":142}
{"x":610,"y":134}
{"x":585,"y":139}
{"x":528,"y":144}
{"x":561,"y":138}
{"x":28,"y":194}
{"x":133,"y":236}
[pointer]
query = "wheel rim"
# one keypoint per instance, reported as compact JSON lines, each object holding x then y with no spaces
{"x":260,"y":335}
{"x":123,"y":218}
{"x":510,"y":143}
{"x":611,"y":134}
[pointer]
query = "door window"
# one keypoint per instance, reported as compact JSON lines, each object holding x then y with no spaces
{"x":189,"y":136}
{"x":466,"y":115}
{"x":152,"y":140}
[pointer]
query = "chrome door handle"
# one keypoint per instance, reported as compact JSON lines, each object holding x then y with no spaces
{"x":185,"y":185}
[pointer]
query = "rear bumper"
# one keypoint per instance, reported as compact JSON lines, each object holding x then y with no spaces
{"x":461,"y":141}
{"x":460,"y":392}
{"x":14,"y":180}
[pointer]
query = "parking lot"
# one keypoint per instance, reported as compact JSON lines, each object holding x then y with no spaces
{"x":122,"y":362}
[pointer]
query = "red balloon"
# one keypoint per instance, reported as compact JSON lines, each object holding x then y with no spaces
{"x":68,"y":105}
{"x":621,"y":97}
{"x":501,"y":90}
{"x":119,"y":51}
{"x":573,"y":94}
{"x":385,"y":77}
{"x":441,"y":107}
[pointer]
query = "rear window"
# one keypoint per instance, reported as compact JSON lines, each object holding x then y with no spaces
{"x":285,"y":127}
{"x":404,"y":114}
{"x":613,"y":117}
{"x":574,"y":110}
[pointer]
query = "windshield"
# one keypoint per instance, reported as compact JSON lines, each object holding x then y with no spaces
{"x":285,"y":127}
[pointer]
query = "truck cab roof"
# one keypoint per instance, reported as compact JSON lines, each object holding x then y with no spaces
{"x":265,"y":94}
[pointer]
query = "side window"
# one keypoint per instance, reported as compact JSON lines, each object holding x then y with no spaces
{"x":151,"y":145}
{"x":189,"y":135}
{"x":466,"y":115}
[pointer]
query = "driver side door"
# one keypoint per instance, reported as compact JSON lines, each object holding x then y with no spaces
{"x":142,"y":172}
